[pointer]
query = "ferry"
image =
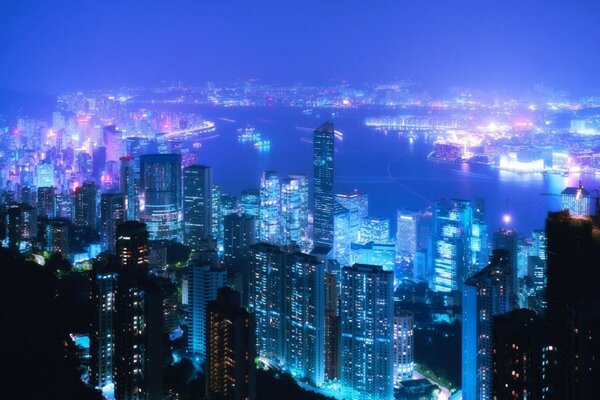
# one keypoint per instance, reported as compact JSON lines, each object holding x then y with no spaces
{"x":248,"y":134}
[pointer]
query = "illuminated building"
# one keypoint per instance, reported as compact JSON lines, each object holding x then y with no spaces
{"x":323,"y":174}
{"x":46,"y":202}
{"x":216,"y":229}
{"x":113,"y":141}
{"x":239,"y":236}
{"x":103,"y":282}
{"x":573,"y":256}
{"x":230,"y":367}
{"x":265,"y":299}
{"x":85,"y":205}
{"x":45,"y":174}
{"x":507,"y":239}
{"x":403,"y":346}
{"x":128,"y":187}
{"x":519,"y":359}
{"x":304,"y":317}
{"x":375,"y":230}
{"x":203,"y":281}
{"x":484,"y":295}
{"x":367,"y":311}
{"x":451,"y":255}
{"x":407,"y":223}
{"x":332,"y":325}
{"x":112,"y":213}
{"x":98,"y":162}
{"x":269,"y":211}
{"x":342,"y":236}
{"x":55,"y":235}
{"x":358,"y":206}
{"x":21,"y":226}
{"x":197,"y":204}
{"x":250,"y":202}
{"x":229,"y":205}
{"x":294,"y":210}
{"x":576,"y":200}
{"x":132,"y":245}
{"x":161,"y":190}
{"x":383,"y":254}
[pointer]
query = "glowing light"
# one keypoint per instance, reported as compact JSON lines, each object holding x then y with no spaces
{"x":506,"y":218}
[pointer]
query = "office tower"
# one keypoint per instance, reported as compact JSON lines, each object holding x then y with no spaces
{"x":64,"y":206}
{"x":161,"y":190}
{"x":132,"y":245}
{"x":128,"y":187}
{"x":103,"y":285}
{"x":216,"y":231}
{"x":374,"y":254}
{"x":332,"y":325}
{"x":342,"y":234}
{"x":239,"y":235}
{"x":55,"y":235}
{"x":519,"y":356}
{"x":479,"y":248}
{"x":229,"y":205}
{"x":250,"y":202}
{"x":323,"y":175}
{"x":485,"y":295}
{"x":46,"y":202}
{"x":21,"y":226}
{"x":85,"y":205}
{"x":170,"y":303}
{"x":507,"y":239}
{"x":84,"y":164}
{"x":113,"y":141}
{"x":367,"y":311}
{"x":576,"y":200}
{"x":294,"y":211}
{"x":197,"y":204}
{"x":98,"y":161}
{"x":358,"y":206}
{"x":26,"y":195}
{"x":265,"y":298}
{"x":304,"y":296}
{"x":44,"y":174}
{"x":573,"y":257}
{"x":407,"y":226}
{"x":403,"y":346}
{"x":269,"y":210}
{"x":230,"y":367}
{"x":375,"y":230}
{"x":204,"y":279}
{"x":112,"y":213}
{"x":450,"y":251}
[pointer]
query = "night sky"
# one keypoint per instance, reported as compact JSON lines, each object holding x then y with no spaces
{"x":54,"y":45}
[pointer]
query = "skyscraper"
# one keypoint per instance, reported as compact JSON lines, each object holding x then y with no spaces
{"x":46,"y":202}
{"x":323,"y":174}
{"x":507,"y":239}
{"x":204,"y":281}
{"x":132,"y":245}
{"x":407,"y":226}
{"x":112,"y":213}
{"x":294,"y":210}
{"x":230,"y":367}
{"x":403,"y":346}
{"x":332,"y":325}
{"x":197,"y":204}
{"x":485,"y":295}
{"x":270,"y":208}
{"x":239,"y":236}
{"x":128,"y":187}
{"x":358,"y":206}
{"x":85,"y":205}
{"x":161,"y":191}
{"x":367,"y":311}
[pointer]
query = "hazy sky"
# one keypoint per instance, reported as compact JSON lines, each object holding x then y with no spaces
{"x":53,"y":45}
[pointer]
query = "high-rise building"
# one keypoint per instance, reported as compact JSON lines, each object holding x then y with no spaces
{"x":403,"y":346}
{"x":197,"y":204}
{"x":519,"y":356}
{"x":332,"y":325}
{"x":204,"y":279}
{"x":98,"y":162}
{"x":576,"y":200}
{"x":161,"y":191}
{"x":127,"y":184}
{"x":270,"y":208}
{"x":507,"y":239}
{"x":55,"y":235}
{"x":358,"y":206}
{"x":407,"y":227}
{"x":250,"y":202}
{"x":132,"y":245}
{"x":304,"y":312}
{"x":112,"y":213}
{"x":342,"y":234}
{"x":46,"y":202}
{"x":485,"y":295}
{"x":230,"y":367}
{"x":376,"y":230}
{"x":85,"y":205}
{"x":323,"y":174}
{"x":45,"y":174}
{"x":294,"y":211}
{"x":216,"y":228}
{"x":21,"y":226}
{"x":239,"y":235}
{"x":374,"y":254}
{"x":367,"y":325}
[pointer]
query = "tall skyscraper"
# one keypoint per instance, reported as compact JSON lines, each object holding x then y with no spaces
{"x":323,"y":176}
{"x":507,"y":239}
{"x":376,"y":230}
{"x":216,"y":228}
{"x":485,"y":295}
{"x":230,"y":367}
{"x":342,"y":233}
{"x":576,"y":200}
{"x":403,"y":346}
{"x":161,"y":191}
{"x":132,"y":245}
{"x":250,"y":202}
{"x":367,"y":311}
{"x":270,"y":208}
{"x":197,"y":204}
{"x":332,"y":325}
{"x":128,"y":186}
{"x":294,"y":211}
{"x":112,"y":213}
{"x":407,"y":228}
{"x":358,"y":206}
{"x":239,"y":236}
{"x":46,"y":202}
{"x":204,"y":279}
{"x":45,"y":174}
{"x":85,"y":205}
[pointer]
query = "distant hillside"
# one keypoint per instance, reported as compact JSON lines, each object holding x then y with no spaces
{"x":23,"y":103}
